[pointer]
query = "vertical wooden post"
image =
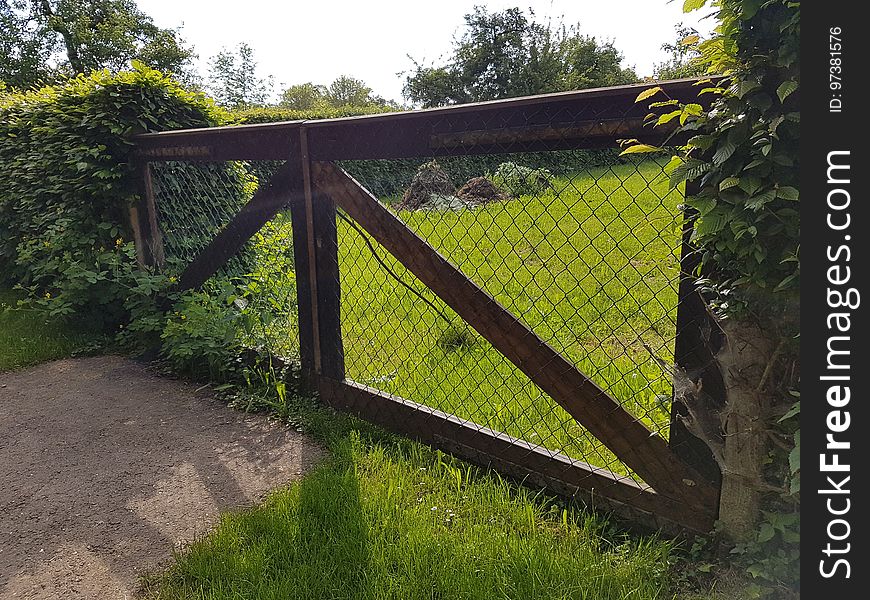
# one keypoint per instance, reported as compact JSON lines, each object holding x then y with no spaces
{"x":315,"y":244}
{"x":328,"y":288}
{"x":143,"y":222}
{"x":302,"y":261}
{"x":698,"y":338}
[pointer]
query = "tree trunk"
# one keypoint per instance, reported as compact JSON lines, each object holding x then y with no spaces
{"x":56,"y":24}
{"x":746,"y":362}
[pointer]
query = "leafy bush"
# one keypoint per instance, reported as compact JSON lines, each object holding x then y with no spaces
{"x":202,"y":337}
{"x":235,"y":322}
{"x":518,"y":180}
{"x":743,"y":153}
{"x":68,"y":183}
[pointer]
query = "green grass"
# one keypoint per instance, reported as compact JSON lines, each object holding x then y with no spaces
{"x":385,"y":518}
{"x":29,"y":336}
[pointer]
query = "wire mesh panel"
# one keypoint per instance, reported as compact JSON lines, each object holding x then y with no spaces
{"x":401,"y":338}
{"x":195,"y":201}
{"x":582,"y":246}
{"x":499,"y":278}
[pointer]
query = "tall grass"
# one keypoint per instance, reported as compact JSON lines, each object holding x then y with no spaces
{"x":390,"y":519}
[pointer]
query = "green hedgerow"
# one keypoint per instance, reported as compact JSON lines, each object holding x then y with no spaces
{"x":68,"y":183}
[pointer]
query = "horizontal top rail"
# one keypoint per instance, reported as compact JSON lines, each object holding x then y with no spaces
{"x":590,"y":118}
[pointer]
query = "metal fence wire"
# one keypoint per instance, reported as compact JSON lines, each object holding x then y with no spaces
{"x":578,"y":243}
{"x":195,"y":201}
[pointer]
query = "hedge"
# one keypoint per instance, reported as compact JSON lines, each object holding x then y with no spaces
{"x":68,"y":181}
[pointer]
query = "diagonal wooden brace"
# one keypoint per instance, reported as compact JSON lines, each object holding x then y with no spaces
{"x":273,"y":196}
{"x":647,"y":453}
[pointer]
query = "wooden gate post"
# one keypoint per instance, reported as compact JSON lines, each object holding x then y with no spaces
{"x":315,"y":246}
{"x":143,"y":221}
{"x":304,"y":303}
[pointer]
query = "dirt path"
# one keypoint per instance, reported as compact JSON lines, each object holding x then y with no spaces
{"x":104,"y":468}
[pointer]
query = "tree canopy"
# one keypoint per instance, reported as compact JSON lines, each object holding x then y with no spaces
{"x":685,"y":59}
{"x":507,"y":54}
{"x":233,"y":80}
{"x":344,"y":91}
{"x":303,"y":96}
{"x":41,"y":40}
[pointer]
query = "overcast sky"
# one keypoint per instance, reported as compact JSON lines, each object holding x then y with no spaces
{"x":318,"y":40}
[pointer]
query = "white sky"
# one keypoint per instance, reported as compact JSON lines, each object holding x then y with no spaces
{"x":318,"y":40}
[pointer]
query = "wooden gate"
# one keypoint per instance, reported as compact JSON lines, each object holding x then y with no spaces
{"x":673,"y":483}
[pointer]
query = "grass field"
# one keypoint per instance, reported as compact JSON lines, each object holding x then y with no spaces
{"x":590,"y":266}
{"x":28,"y":336}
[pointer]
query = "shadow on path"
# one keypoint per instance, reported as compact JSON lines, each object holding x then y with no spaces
{"x":104,"y":468}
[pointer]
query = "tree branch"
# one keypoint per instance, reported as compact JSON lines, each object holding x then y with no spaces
{"x":56,"y":24}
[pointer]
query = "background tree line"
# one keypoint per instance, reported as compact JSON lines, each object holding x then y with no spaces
{"x":498,"y":55}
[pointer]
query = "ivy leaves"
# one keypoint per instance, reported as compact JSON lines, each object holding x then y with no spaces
{"x":743,"y":156}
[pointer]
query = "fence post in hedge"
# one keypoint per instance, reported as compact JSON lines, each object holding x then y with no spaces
{"x":143,"y":221}
{"x":698,"y":339}
{"x":304,"y":303}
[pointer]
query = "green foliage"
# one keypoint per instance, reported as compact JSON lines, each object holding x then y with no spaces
{"x":303,"y":97}
{"x":29,"y":335}
{"x":80,"y":36}
{"x":233,"y":80}
{"x":743,"y":153}
{"x":518,"y":180}
{"x":348,"y":91}
{"x":23,"y":50}
{"x":202,"y":337}
{"x":345,"y":94}
{"x":69,"y":183}
{"x":507,"y":54}
{"x":209,"y":330}
{"x":275,"y":114}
